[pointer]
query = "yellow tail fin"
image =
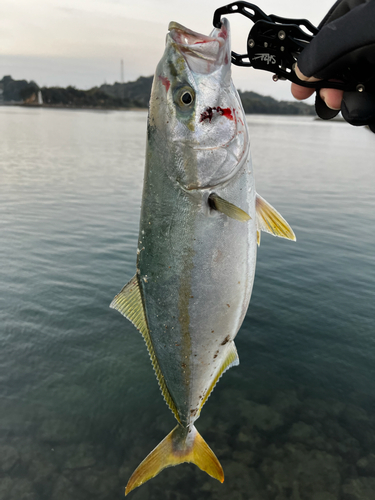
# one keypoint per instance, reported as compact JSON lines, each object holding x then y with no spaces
{"x":181,"y":445}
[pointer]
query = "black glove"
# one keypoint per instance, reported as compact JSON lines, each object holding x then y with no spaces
{"x":344,"y":49}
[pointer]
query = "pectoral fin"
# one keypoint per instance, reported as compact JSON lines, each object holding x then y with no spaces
{"x":270,"y":221}
{"x":227,"y":208}
{"x":130,"y":304}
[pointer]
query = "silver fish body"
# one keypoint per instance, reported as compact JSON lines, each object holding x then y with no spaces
{"x":198,"y":236}
{"x":196,"y":265}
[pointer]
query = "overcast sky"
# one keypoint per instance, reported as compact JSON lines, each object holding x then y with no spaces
{"x":81,"y":42}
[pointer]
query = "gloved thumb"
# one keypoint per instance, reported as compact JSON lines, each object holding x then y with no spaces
{"x":322,"y":110}
{"x":358,"y":108}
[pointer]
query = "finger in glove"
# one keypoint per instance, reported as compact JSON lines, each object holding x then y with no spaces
{"x":358,"y":108}
{"x":322,"y":110}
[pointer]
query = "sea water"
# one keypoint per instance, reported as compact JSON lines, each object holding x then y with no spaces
{"x":79,"y":403}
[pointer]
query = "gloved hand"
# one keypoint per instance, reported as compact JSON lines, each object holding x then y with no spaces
{"x":344,"y":48}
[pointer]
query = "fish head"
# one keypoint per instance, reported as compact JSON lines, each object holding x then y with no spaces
{"x":196,"y":106}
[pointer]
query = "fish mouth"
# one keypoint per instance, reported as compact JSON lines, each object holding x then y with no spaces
{"x":203,"y":53}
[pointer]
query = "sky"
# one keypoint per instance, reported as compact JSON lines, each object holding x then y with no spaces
{"x":82,"y":42}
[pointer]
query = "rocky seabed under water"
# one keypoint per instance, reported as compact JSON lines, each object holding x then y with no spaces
{"x":291,"y":447}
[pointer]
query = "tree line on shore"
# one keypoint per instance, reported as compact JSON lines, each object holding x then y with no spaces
{"x":126,"y":96}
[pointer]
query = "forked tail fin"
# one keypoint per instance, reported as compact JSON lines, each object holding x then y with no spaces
{"x":181,"y":445}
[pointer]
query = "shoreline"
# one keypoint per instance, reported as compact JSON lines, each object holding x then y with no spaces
{"x":107,"y":108}
{"x":73,"y":107}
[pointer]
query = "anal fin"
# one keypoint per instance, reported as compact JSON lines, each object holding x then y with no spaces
{"x":230,"y":360}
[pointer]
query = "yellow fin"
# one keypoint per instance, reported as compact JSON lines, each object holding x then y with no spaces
{"x":130,"y":304}
{"x":258,"y":237}
{"x":227,"y":208}
{"x":181,"y":445}
{"x":231,"y":359}
{"x":270,"y":221}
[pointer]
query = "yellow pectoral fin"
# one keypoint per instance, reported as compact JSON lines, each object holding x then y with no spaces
{"x":270,"y":221}
{"x":130,"y":304}
{"x":227,"y":208}
{"x":181,"y":445}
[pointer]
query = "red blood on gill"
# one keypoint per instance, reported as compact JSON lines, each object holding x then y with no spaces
{"x":208,"y":113}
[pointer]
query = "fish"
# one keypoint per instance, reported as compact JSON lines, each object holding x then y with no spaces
{"x":200,"y":226}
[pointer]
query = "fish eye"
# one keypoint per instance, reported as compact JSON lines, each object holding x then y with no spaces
{"x":185,"y":97}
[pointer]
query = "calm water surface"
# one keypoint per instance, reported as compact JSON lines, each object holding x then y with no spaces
{"x":79,"y":404}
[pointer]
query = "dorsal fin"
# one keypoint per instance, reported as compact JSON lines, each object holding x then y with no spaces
{"x":270,"y":221}
{"x":227,"y":208}
{"x":130,"y":304}
{"x":230,"y":360}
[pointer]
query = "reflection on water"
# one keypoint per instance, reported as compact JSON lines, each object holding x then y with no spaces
{"x":80,"y":407}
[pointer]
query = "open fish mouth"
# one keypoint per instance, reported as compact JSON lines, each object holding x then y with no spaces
{"x":203,"y":53}
{"x":217,"y":142}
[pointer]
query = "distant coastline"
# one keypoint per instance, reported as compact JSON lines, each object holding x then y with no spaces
{"x":70,"y":107}
{"x":123,"y":97}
